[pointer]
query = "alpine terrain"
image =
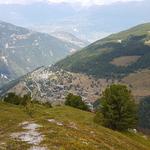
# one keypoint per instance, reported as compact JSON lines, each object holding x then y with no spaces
{"x":61,"y":91}
{"x":119,"y":58}
{"x":123,"y":56}
{"x":23,"y":50}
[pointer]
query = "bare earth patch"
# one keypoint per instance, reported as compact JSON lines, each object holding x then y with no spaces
{"x":124,"y":61}
{"x":73,"y":125}
{"x":56,"y":122}
{"x":70,"y":125}
{"x":2,"y":145}
{"x":139,"y":82}
{"x":31,"y":135}
{"x":147,"y":42}
{"x":38,"y":148}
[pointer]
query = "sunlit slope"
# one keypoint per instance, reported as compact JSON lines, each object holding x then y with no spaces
{"x":130,"y":48}
{"x":62,"y":128}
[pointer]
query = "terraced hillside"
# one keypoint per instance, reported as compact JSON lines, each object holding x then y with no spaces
{"x":61,"y":128}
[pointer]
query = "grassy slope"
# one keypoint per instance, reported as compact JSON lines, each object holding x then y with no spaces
{"x":87,"y":136}
{"x":96,"y":58}
{"x":138,"y":30}
{"x":140,"y":87}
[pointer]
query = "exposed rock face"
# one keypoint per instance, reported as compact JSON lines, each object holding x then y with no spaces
{"x":51,"y":84}
{"x":30,"y":135}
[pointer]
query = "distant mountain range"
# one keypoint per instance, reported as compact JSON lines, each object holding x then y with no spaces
{"x":89,"y":23}
{"x":119,"y":58}
{"x":70,"y":38}
{"x":22,"y":50}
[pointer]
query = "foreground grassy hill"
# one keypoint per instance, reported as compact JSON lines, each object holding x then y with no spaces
{"x":60,"y":128}
{"x":114,"y":56}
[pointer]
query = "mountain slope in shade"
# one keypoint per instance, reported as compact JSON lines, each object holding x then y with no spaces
{"x":22,"y":50}
{"x":70,"y":38}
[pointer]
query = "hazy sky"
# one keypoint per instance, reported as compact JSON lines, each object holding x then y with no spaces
{"x":87,"y":19}
{"x":82,"y":2}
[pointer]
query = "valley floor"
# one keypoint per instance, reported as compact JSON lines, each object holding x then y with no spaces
{"x":60,"y":128}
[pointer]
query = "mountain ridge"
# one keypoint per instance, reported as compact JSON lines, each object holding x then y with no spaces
{"x":123,"y":56}
{"x":22,"y":50}
{"x":89,"y":71}
{"x":98,"y":55}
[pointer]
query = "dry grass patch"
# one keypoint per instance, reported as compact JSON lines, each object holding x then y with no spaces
{"x":139,"y":83}
{"x":124,"y":61}
{"x":147,"y":42}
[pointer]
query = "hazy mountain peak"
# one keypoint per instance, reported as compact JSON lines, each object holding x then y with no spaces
{"x":69,"y":37}
{"x":22,"y":50}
